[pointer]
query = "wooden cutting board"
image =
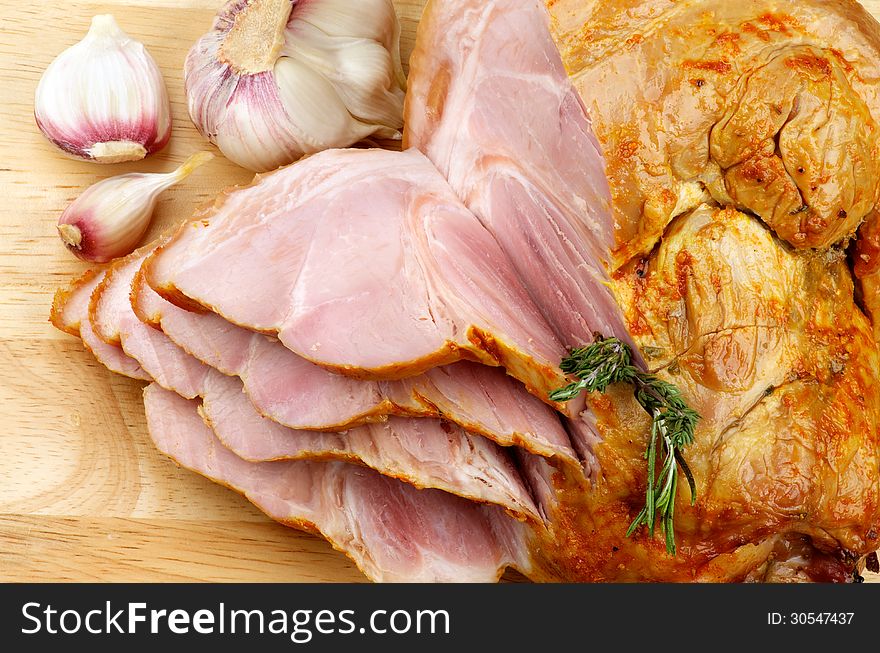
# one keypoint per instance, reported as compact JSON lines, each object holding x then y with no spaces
{"x":84,"y":496}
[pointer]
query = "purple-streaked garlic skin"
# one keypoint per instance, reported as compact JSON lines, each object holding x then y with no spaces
{"x":109,"y":219}
{"x":81,"y":236}
{"x":104,"y":99}
{"x":327,"y":74}
{"x":80,"y":143}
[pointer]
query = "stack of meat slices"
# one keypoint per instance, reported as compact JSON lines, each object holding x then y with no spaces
{"x":349,"y":377}
{"x":363,"y":343}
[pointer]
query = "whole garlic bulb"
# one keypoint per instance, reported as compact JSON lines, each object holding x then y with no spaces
{"x":109,"y":219}
{"x":104,"y":98}
{"x":276,"y":79}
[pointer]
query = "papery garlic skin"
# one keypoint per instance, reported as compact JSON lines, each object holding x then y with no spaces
{"x":111,"y":217}
{"x":104,"y":99}
{"x":277,"y":79}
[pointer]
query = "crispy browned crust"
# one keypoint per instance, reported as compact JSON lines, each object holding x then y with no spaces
{"x":62,"y":296}
{"x":866,"y":265}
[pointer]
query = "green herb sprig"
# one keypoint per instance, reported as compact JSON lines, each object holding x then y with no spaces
{"x":608,"y":361}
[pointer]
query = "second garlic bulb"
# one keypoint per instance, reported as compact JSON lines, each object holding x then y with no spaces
{"x":277,"y":79}
{"x":104,"y":98}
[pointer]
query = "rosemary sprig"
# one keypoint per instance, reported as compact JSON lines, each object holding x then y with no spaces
{"x":608,"y":361}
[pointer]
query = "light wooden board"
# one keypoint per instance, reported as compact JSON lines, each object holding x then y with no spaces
{"x":83,"y":494}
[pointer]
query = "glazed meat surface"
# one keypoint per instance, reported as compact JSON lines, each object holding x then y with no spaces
{"x":739,"y":143}
{"x":764,"y":105}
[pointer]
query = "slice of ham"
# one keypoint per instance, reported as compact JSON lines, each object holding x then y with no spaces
{"x":301,"y":395}
{"x":425,"y":452}
{"x":116,"y":323}
{"x":70,"y":314}
{"x":392,"y":531}
{"x":490,"y":103}
{"x":364,"y":262}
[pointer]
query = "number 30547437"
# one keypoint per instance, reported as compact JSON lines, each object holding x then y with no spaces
{"x":809,"y":618}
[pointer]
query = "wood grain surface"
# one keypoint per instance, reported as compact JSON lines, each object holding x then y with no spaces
{"x":84,"y":496}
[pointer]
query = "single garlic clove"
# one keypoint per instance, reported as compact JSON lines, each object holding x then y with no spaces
{"x":109,"y":219}
{"x":104,"y":99}
{"x":277,"y":79}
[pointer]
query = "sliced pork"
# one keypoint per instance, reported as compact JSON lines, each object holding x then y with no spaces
{"x":490,"y":104}
{"x":364,"y":262}
{"x":301,"y":395}
{"x":392,"y":531}
{"x":425,"y":452}
{"x":115,"y":322}
{"x":70,"y":313}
